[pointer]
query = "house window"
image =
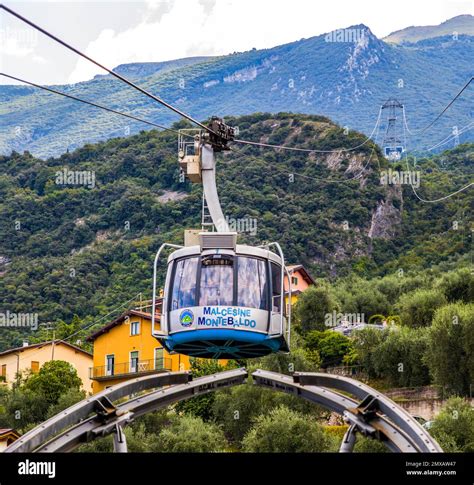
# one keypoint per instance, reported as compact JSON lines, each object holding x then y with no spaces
{"x":159,"y":360}
{"x":134,"y":361}
{"x":294,"y":280}
{"x":110,"y":360}
{"x":134,"y":328}
{"x":4,"y":371}
{"x":35,"y":365}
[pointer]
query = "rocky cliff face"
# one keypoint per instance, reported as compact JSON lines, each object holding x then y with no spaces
{"x":386,"y":218}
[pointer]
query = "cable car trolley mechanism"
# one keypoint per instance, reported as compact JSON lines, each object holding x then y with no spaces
{"x":221,"y":300}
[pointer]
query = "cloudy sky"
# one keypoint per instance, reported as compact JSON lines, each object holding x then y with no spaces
{"x":117,"y":32}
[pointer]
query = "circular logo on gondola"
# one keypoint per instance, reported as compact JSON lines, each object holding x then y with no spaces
{"x":186,"y":318}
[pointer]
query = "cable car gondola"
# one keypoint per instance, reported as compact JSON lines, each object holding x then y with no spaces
{"x":222,"y":300}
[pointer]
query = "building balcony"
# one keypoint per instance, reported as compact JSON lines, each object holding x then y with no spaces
{"x":130,"y":369}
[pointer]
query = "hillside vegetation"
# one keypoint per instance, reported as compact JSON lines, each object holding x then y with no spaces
{"x":72,"y":250}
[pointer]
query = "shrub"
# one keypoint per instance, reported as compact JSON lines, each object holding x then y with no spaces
{"x":331,"y":346}
{"x":458,"y":286}
{"x":399,"y":358}
{"x":284,"y":430}
{"x":192,"y":434}
{"x":454,"y":426}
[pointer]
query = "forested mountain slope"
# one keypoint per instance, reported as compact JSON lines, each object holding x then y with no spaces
{"x":68,"y":250}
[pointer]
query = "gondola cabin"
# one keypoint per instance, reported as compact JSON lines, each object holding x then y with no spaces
{"x":223,"y":300}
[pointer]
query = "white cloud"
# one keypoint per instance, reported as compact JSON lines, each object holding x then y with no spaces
{"x":181,"y":28}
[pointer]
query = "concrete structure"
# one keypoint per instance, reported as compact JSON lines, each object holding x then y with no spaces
{"x":425,"y":402}
{"x":33,"y":357}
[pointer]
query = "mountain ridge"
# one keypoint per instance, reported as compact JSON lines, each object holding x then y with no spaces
{"x":461,"y":24}
{"x":346,"y":81}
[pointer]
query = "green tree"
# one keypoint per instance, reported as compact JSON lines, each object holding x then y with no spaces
{"x":366,"y":342}
{"x":55,"y":377}
{"x":297,"y":360}
{"x":450,"y":352}
{"x":99,"y":445}
{"x":236,"y":409}
{"x":458,"y":285}
{"x":25,"y":407}
{"x":417,"y":308}
{"x":201,"y":406}
{"x":400,"y":357}
{"x":331,"y":346}
{"x":367,"y":300}
{"x":312,"y":307}
{"x":286,"y":431}
{"x":369,"y":445}
{"x":5,"y":418}
{"x":453,"y":428}
{"x":66,"y":400}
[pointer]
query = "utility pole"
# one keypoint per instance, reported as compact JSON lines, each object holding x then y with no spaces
{"x":50,"y":326}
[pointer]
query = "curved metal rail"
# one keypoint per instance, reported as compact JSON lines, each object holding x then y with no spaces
{"x":98,"y":403}
{"x":375,"y":415}
{"x":369,"y":413}
{"x":374,"y":400}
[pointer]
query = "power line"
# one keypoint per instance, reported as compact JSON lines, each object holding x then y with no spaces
{"x":98,"y":64}
{"x":439,"y":199}
{"x":95,"y":105}
{"x":452,"y":136}
{"x":85,"y":327}
{"x":420,"y":132}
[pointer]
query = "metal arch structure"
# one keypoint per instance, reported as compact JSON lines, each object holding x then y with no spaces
{"x":368,"y":412}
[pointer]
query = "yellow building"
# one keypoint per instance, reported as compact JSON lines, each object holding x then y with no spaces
{"x":32,"y":357}
{"x":125,"y":348}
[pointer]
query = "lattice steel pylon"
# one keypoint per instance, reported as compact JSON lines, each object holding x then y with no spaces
{"x":393,"y":141}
